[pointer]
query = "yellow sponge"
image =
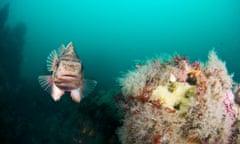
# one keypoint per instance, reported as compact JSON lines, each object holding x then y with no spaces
{"x":175,"y":95}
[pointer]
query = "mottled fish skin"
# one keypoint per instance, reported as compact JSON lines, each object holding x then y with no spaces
{"x":67,"y":74}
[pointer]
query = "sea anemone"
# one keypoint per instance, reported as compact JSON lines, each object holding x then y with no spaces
{"x":178,"y":102}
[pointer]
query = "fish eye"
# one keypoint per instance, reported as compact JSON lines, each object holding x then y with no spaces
{"x":57,"y":64}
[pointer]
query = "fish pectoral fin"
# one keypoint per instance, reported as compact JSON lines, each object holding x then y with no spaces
{"x":76,"y":95}
{"x":88,"y":86}
{"x":52,"y":60}
{"x":57,"y":93}
{"x":45,"y":82}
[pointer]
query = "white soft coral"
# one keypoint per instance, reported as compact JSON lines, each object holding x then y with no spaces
{"x":216,"y":67}
{"x":133,"y":82}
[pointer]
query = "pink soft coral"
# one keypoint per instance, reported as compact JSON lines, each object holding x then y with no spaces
{"x":228,"y":100}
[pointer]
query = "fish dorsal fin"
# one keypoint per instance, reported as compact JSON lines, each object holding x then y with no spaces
{"x":52,"y":60}
{"x":61,"y":50}
{"x":70,"y":46}
{"x":45,"y":82}
{"x":69,"y":50}
{"x":88,"y":86}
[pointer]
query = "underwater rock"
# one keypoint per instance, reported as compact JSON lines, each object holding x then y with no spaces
{"x":11,"y":44}
{"x":4,"y":15}
{"x":178,"y":102}
{"x":14,"y":126}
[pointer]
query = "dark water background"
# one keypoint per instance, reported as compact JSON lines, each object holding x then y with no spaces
{"x":108,"y":36}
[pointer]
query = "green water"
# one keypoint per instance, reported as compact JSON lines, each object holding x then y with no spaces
{"x":110,"y":34}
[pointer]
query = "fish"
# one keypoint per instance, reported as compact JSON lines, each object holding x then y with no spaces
{"x":66,"y":75}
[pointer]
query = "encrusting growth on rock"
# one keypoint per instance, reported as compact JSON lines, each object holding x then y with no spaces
{"x":179,"y":102}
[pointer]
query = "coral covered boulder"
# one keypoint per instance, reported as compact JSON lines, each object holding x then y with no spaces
{"x":178,"y":102}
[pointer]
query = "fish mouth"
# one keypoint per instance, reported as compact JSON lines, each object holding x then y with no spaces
{"x":69,"y":76}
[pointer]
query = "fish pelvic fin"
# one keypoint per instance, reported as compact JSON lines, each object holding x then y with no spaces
{"x":79,"y":93}
{"x":45,"y":82}
{"x":76,"y":95}
{"x":57,"y":93}
{"x":88,"y":86}
{"x":52,"y":60}
{"x":48,"y":85}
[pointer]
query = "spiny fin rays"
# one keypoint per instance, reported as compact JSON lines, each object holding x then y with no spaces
{"x":61,"y":50}
{"x":52,"y":60}
{"x":70,"y":45}
{"x":45,"y":82}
